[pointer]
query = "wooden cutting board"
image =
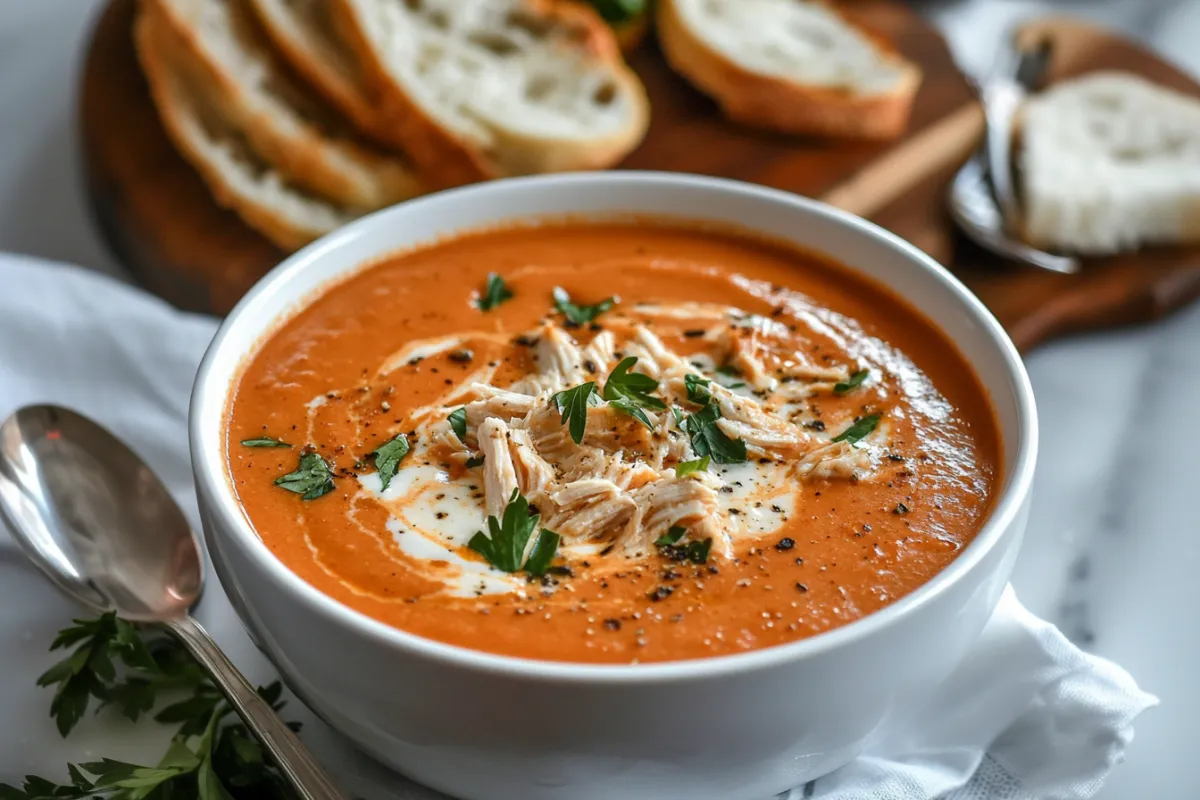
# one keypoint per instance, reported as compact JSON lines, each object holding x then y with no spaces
{"x":160,"y":220}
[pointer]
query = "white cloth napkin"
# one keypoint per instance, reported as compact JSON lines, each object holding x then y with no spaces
{"x":1027,"y":715}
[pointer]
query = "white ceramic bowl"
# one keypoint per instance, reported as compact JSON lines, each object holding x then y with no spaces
{"x":742,"y":726}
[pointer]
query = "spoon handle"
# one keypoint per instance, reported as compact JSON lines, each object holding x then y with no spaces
{"x":294,"y":760}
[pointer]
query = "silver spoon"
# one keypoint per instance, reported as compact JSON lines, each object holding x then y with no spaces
{"x":104,"y":529}
{"x":983,"y":198}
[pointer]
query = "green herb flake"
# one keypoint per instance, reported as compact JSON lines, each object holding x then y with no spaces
{"x":474,"y":461}
{"x":494,"y":293}
{"x":573,"y":405}
{"x":859,"y":430}
{"x":264,"y":441}
{"x":504,"y":548}
{"x":311,"y":480}
{"x":619,"y":11}
{"x":856,"y":380}
{"x":388,"y":458}
{"x":673,"y":535}
{"x":729,"y":371}
{"x":697,"y":389}
{"x":458,"y":423}
{"x":697,"y":552}
{"x":577,"y":314}
{"x":629,"y":392}
{"x":710,"y":440}
{"x":686,"y":468}
{"x":543,"y":552}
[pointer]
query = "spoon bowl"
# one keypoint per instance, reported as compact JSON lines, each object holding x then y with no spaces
{"x":103,"y":528}
{"x":81,"y":505}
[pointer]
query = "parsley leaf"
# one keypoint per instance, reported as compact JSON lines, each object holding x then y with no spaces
{"x":388,"y":458}
{"x":312,"y":479}
{"x":629,"y":392}
{"x":617,"y":11}
{"x":710,"y":440}
{"x":697,"y":389}
{"x":458,"y":423}
{"x":859,"y":429}
{"x":264,"y":441}
{"x":504,"y":549}
{"x":729,"y":371}
{"x":543,"y":552}
{"x":495,"y":293}
{"x":474,"y":461}
{"x":673,"y":535}
{"x":576,"y":314}
{"x":573,"y":404}
{"x":845,"y":387}
{"x":685,"y":468}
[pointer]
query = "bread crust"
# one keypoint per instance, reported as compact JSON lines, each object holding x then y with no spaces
{"x":315,"y":159}
{"x":772,"y":103}
{"x":351,"y":94}
{"x":152,"y":43}
{"x":447,"y":159}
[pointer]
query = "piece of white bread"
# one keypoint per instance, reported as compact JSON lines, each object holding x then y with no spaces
{"x":1108,"y":162}
{"x":236,"y":176}
{"x":304,"y":33}
{"x":796,"y":66}
{"x":284,"y":122}
{"x":491,"y":88}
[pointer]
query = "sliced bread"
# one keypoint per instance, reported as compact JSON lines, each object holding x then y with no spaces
{"x":283,"y":121}
{"x":303,"y":31}
{"x":234,"y":173}
{"x":797,"y":66}
{"x":491,"y":88}
{"x":1108,"y":162}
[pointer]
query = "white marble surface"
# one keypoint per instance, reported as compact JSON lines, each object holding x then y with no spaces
{"x":1114,"y":544}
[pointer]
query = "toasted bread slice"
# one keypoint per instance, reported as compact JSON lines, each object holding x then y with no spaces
{"x":284,"y":122}
{"x":490,"y":88}
{"x":304,"y":33}
{"x":234,"y":173}
{"x":796,"y":66}
{"x":1108,"y":162}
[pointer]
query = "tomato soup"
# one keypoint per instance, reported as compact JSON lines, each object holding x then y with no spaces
{"x":611,"y":442}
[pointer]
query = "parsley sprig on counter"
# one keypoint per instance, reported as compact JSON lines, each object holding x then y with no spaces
{"x":211,"y":756}
{"x":504,"y":549}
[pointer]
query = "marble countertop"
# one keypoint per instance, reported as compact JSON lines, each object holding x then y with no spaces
{"x":1112,"y":549}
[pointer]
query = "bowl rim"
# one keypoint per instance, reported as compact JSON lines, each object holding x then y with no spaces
{"x":224,"y":512}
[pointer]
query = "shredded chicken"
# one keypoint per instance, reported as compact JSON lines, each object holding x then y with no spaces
{"x":619,"y":485}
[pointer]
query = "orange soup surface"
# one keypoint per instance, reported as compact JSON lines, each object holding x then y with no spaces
{"x":611,"y":442}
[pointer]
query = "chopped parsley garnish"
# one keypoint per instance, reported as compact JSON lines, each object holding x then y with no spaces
{"x":576,"y":314}
{"x":617,"y":11}
{"x":710,"y":440}
{"x":697,"y":389}
{"x":860,"y":429}
{"x":311,"y":480}
{"x":388,"y":458}
{"x":845,"y":387}
{"x":474,"y":461}
{"x":673,"y":535}
{"x":685,"y":468}
{"x":495,"y":293}
{"x":696,"y":552}
{"x":729,"y":371}
{"x":629,"y":392}
{"x":458,"y":423}
{"x":264,"y":441}
{"x":504,"y":549}
{"x":573,"y":404}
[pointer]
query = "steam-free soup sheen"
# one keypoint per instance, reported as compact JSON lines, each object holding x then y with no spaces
{"x":728,"y":444}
